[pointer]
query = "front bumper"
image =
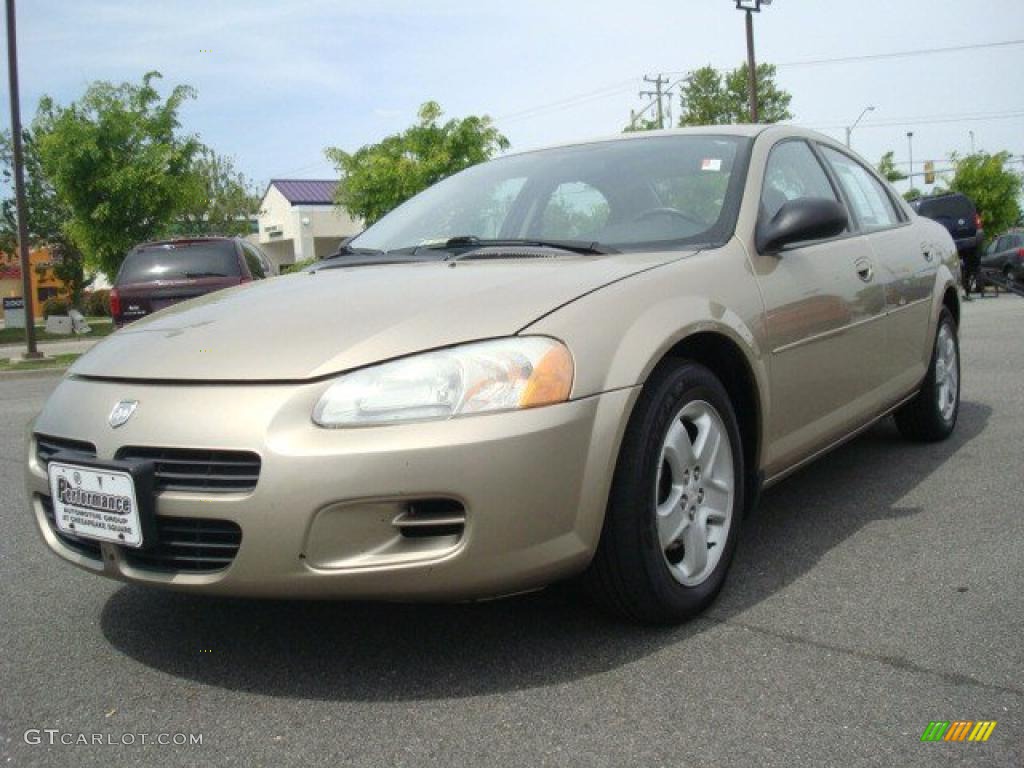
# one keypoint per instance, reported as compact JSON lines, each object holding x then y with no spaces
{"x":321,"y":520}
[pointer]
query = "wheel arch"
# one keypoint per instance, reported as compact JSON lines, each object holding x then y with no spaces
{"x":724,"y":357}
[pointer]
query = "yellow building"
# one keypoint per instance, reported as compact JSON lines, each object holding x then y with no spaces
{"x":45,"y":284}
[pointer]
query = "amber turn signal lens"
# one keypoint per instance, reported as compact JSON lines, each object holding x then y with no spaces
{"x":551,"y":380}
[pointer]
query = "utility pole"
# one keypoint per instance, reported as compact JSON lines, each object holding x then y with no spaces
{"x":751,"y":67}
{"x":910,"y":145}
{"x":19,"y":184}
{"x":659,"y":82}
{"x":750,"y":7}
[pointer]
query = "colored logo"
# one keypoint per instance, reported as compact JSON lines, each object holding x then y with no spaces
{"x":958,"y":730}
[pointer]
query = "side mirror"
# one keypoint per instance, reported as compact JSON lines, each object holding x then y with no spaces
{"x":806,"y":218}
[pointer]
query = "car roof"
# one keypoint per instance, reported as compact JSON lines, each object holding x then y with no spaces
{"x":745,"y":130}
{"x":186,"y":241}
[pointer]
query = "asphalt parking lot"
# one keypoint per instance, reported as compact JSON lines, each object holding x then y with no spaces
{"x":878,"y":590}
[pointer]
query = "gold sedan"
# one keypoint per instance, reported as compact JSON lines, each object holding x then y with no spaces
{"x":584,"y":360}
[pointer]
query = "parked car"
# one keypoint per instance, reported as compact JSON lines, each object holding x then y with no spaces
{"x":956,"y":212}
{"x":159,"y":274}
{"x":1005,"y":255}
{"x":580,"y":361}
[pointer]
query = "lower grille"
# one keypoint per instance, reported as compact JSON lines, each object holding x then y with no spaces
{"x":86,"y":547}
{"x":189,"y":544}
{"x":429,"y":518}
{"x":184,"y":544}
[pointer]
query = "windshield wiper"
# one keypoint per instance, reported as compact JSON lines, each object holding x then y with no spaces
{"x":194,"y":275}
{"x":471,"y":241}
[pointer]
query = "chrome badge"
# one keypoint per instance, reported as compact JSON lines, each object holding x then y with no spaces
{"x":122,"y":412}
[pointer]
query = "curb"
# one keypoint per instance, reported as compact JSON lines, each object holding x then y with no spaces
{"x":35,"y":373}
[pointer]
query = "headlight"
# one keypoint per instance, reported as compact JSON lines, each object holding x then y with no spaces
{"x":482,"y":377}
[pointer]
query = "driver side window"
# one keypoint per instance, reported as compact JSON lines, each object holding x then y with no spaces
{"x":792,"y":172}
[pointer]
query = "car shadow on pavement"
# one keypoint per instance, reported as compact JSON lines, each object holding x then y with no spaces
{"x":374,"y":651}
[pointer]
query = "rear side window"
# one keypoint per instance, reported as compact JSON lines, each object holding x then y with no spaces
{"x":793,"y":172}
{"x":867,"y":196}
{"x":951,"y":207}
{"x":252,"y":260}
{"x":180,"y":261}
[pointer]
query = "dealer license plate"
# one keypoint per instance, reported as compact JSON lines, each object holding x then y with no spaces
{"x":95,"y":503}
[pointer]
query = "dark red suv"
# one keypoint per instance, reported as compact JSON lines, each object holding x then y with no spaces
{"x":158,"y":274}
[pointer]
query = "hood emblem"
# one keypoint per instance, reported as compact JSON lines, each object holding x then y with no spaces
{"x":122,"y":412}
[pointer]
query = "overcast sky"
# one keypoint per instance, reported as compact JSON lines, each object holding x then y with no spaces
{"x":279,"y":81}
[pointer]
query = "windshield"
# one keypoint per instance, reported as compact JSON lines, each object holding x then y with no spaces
{"x":180,"y":261}
{"x":628,"y":195}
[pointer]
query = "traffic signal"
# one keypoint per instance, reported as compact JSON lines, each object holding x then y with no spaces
{"x":929,"y":172}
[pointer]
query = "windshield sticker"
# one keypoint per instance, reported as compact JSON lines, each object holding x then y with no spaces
{"x":711,"y":164}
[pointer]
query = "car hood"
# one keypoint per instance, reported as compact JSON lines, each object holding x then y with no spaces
{"x":315,"y":324}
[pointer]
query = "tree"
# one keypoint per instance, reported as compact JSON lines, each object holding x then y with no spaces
{"x":222,"y":203}
{"x":709,"y":97}
{"x":378,"y":177}
{"x":46,"y":215}
{"x":992,"y":186}
{"x":119,"y":161}
{"x":887,"y":168}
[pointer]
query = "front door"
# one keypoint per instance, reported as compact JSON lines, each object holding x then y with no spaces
{"x":824,"y":307}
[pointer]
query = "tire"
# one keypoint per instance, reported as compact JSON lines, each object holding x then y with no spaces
{"x":633,"y":574}
{"x":922,"y":419}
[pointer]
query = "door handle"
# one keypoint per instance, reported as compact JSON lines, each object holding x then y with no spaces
{"x":865,"y":271}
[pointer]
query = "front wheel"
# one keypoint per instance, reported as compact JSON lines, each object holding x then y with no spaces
{"x":932,"y":414}
{"x":676,"y":502}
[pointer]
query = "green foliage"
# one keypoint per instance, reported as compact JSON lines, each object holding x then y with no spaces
{"x":118,"y":161}
{"x":712,"y":98}
{"x":97,"y":303}
{"x":298,"y":266}
{"x":47,"y":214}
{"x":912,"y":194}
{"x":887,"y":168}
{"x":378,"y":177}
{"x":222,"y":203}
{"x":56,"y":306}
{"x":992,"y":186}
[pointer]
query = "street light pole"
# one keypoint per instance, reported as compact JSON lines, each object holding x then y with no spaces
{"x":910,"y":145}
{"x":751,"y":67}
{"x":19,"y":183}
{"x":972,"y":141}
{"x":750,"y":7}
{"x":849,"y":128}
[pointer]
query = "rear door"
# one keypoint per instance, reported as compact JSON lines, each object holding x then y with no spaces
{"x":907,"y":263}
{"x":824,"y":303}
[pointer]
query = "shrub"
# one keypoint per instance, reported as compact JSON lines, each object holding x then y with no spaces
{"x":97,"y":303}
{"x":298,"y":266}
{"x":56,"y":306}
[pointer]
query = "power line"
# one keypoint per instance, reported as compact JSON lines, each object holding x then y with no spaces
{"x":898,"y":54}
{"x":924,"y":120}
{"x":608,"y":90}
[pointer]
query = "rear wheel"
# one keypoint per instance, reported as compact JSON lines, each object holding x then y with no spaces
{"x":676,"y":502}
{"x":932,"y":414}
